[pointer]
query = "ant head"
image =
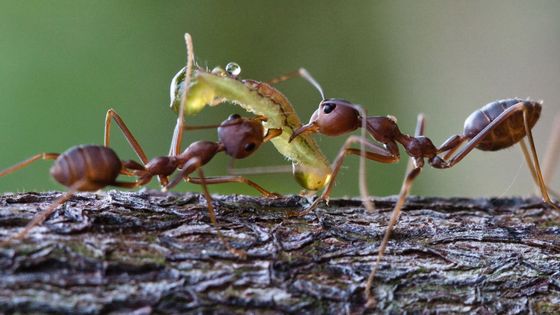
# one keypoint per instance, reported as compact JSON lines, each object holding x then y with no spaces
{"x":240,"y":136}
{"x":333,"y":117}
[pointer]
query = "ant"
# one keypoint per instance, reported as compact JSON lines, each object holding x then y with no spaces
{"x":93,"y":167}
{"x":495,"y":126}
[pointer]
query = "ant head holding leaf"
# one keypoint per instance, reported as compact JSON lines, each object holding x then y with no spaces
{"x":333,"y":117}
{"x":241,"y":136}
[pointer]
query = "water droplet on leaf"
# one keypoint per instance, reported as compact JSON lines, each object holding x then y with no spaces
{"x":233,"y":69}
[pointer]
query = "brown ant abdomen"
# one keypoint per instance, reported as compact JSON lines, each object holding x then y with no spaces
{"x":91,"y":167}
{"x":506,"y":134}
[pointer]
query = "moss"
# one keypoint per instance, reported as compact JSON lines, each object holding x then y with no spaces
{"x":543,"y":307}
{"x":138,"y":256}
{"x":83,"y":250}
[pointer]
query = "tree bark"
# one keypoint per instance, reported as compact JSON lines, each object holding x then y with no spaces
{"x":152,"y":252}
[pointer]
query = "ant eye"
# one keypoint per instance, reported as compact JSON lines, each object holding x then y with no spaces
{"x":233,"y":116}
{"x":250,"y":146}
{"x":329,"y":107}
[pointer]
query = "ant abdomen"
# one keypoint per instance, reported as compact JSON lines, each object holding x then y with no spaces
{"x":91,"y":167}
{"x":509,"y":132}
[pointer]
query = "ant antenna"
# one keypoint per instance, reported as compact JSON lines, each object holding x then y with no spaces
{"x":304,"y":74}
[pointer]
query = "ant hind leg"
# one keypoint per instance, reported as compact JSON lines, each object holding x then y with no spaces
{"x":44,"y":214}
{"x":20,"y":165}
{"x":551,"y":156}
{"x":533,"y":162}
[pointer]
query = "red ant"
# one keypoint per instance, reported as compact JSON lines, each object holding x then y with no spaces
{"x":495,"y":126}
{"x":93,"y":167}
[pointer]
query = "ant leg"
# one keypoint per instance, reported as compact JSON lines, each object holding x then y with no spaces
{"x":257,"y":170}
{"x":20,"y":165}
{"x":374,"y":152}
{"x":527,"y":157}
{"x":405,"y":189}
{"x":132,"y":168}
{"x":550,"y":161}
{"x":232,"y":179}
{"x":260,"y":118}
{"x":238,"y":252}
{"x":451,"y":145}
{"x":535,"y":162}
{"x":179,"y":127}
{"x":189,"y":167}
{"x":134,"y":144}
{"x":195,"y":163}
{"x":231,"y":167}
{"x":131,"y":185}
{"x":532,"y":170}
{"x":43,"y":215}
{"x":420,"y":125}
{"x":112,"y":115}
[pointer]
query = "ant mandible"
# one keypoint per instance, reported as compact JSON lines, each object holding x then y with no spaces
{"x":493,"y":127}
{"x":93,"y":167}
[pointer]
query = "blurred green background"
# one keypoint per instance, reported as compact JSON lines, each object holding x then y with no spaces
{"x":64,"y":63}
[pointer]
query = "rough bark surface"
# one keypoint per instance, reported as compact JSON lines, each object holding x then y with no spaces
{"x":150,"y":252}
